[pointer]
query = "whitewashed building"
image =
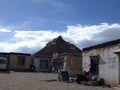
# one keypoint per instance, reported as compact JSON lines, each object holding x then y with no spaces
{"x":104,"y":61}
{"x":62,"y":62}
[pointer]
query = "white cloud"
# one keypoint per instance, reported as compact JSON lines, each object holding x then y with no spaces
{"x":35,"y":35}
{"x":33,"y":39}
{"x":7,"y":47}
{"x":82,"y":36}
{"x":79,"y":32}
{"x":85,"y":36}
{"x":4,"y":30}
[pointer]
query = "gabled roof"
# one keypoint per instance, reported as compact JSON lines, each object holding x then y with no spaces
{"x":58,"y":45}
{"x":105,"y":44}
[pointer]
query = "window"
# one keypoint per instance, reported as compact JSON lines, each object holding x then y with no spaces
{"x":21,"y":61}
{"x":2,"y":61}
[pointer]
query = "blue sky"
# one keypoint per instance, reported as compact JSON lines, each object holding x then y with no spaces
{"x":27,"y":25}
{"x":57,"y":14}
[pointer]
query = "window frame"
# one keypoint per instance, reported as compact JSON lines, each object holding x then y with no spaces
{"x":21,"y":60}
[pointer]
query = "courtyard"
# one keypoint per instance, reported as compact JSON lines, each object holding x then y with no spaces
{"x":39,"y":81}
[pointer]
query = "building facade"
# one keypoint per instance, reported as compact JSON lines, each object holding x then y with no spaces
{"x":4,"y":61}
{"x":19,"y":61}
{"x":43,"y":63}
{"x":15,"y":61}
{"x":68,"y":62}
{"x":103,"y":60}
{"x":60,"y":62}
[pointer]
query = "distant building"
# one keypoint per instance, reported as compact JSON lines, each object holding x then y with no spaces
{"x":15,"y":61}
{"x":58,"y":55}
{"x":4,"y":61}
{"x":19,"y":61}
{"x":103,"y":60}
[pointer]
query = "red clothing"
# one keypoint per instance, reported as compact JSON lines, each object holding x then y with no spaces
{"x":87,"y":74}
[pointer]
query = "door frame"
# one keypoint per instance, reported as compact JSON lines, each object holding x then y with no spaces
{"x":97,"y":62}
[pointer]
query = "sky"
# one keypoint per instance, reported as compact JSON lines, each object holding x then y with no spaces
{"x":27,"y":25}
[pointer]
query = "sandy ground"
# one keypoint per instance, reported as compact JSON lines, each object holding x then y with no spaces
{"x":39,"y":81}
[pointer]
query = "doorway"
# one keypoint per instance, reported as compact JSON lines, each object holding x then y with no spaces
{"x":43,"y":64}
{"x":117,"y":52}
{"x":94,"y":65}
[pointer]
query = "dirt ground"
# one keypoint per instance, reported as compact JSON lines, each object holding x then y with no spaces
{"x":39,"y":81}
